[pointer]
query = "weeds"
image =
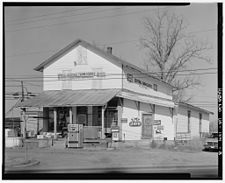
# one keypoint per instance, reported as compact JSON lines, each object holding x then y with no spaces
{"x":190,"y":145}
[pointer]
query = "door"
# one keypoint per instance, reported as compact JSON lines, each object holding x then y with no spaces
{"x":147,"y":126}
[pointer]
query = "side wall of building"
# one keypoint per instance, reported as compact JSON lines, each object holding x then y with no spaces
{"x":182,"y":124}
{"x":130,"y":112}
{"x":164,"y":114}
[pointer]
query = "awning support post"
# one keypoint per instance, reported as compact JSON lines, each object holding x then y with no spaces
{"x":119,"y":110}
{"x":71,"y":115}
{"x":24,"y":120}
{"x":103,"y":122}
{"x":55,"y":123}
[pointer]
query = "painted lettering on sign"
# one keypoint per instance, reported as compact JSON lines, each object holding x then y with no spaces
{"x":135,"y":122}
{"x":141,"y":83}
{"x":80,"y":75}
{"x":157,"y":122}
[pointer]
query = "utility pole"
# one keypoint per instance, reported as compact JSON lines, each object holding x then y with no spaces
{"x":23,"y":112}
{"x":22,"y":92}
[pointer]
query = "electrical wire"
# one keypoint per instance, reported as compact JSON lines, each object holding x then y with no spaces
{"x":189,"y":70}
{"x":68,"y":22}
{"x":48,"y":14}
{"x":86,"y":13}
{"x":40,"y":79}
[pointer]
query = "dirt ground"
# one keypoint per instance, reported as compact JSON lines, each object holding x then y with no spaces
{"x":52,"y":158}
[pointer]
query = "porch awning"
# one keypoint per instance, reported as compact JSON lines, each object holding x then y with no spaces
{"x":146,"y":98}
{"x":57,"y":98}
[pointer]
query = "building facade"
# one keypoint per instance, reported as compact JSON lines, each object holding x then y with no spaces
{"x":86,"y":85}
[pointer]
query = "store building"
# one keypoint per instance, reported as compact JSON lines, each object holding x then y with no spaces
{"x":86,"y":85}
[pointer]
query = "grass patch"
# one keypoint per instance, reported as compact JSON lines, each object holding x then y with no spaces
{"x":194,"y":145}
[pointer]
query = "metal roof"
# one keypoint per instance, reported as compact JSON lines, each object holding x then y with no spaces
{"x":96,"y":50}
{"x":194,"y":107}
{"x":57,"y":98}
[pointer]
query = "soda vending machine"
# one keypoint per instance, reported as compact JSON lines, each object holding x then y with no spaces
{"x":75,"y":136}
{"x":115,"y":133}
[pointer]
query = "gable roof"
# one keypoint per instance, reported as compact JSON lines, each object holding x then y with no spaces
{"x":194,"y":107}
{"x":96,"y":50}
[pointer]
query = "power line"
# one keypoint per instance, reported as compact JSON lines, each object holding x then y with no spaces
{"x":49,"y":77}
{"x":84,"y":20}
{"x":112,"y":43}
{"x":31,"y":53}
{"x":48,"y":14}
{"x":92,"y":12}
{"x":86,"y":79}
{"x":12,"y":86}
{"x":53,"y":76}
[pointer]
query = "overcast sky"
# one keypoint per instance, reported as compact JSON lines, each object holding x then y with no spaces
{"x":32,"y":34}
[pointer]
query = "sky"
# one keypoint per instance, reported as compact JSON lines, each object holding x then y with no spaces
{"x":34,"y":33}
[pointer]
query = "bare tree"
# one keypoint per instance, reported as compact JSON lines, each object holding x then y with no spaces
{"x":170,"y":50}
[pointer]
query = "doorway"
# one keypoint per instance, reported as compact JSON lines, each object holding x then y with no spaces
{"x":147,"y":126}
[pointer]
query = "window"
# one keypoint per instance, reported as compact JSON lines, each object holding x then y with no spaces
{"x":189,"y":121}
{"x":155,"y":87}
{"x":200,"y":124}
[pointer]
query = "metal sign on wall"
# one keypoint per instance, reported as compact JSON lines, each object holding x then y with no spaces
{"x":135,"y":122}
{"x":131,"y":79}
{"x":157,"y":122}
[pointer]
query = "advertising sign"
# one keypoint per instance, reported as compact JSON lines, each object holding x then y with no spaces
{"x":135,"y":122}
{"x":131,"y":79}
{"x":157,"y":122}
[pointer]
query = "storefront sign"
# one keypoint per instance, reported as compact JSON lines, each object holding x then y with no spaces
{"x":135,"y":122}
{"x":124,"y":120}
{"x":157,"y":122}
{"x":131,"y":79}
{"x":80,"y":75}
